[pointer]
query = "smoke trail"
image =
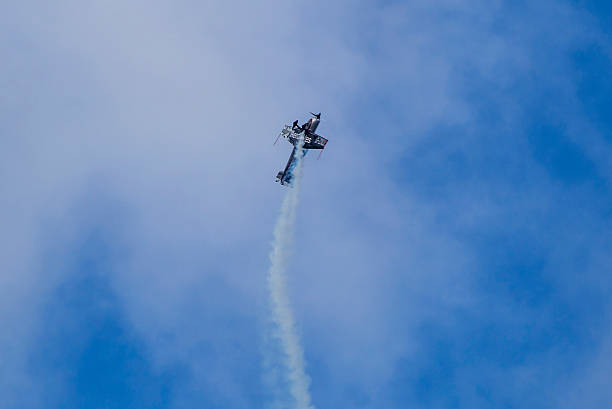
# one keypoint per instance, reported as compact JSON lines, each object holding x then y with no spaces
{"x":281,"y":310}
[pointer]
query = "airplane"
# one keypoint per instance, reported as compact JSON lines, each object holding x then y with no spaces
{"x":294,"y":134}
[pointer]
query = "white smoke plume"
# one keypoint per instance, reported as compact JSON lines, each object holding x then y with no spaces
{"x":282,"y":315}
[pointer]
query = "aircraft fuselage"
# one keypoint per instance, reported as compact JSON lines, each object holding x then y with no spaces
{"x":312,"y":124}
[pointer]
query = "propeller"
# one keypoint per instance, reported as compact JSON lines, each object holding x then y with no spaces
{"x":318,"y":116}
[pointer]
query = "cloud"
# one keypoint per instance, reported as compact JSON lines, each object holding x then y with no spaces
{"x":166,"y":114}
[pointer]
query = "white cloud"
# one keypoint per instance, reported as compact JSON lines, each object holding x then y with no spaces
{"x":171,"y":109}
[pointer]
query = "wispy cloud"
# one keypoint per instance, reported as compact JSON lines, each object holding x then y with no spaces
{"x":443,"y":218}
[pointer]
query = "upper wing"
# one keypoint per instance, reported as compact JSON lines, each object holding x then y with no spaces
{"x":314,"y":141}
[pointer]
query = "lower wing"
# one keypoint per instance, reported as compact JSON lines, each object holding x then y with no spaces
{"x":314,"y":141}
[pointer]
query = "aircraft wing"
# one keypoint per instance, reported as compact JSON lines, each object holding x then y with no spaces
{"x":314,"y":141}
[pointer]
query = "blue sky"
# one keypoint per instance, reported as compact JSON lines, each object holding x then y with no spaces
{"x":452,"y":244}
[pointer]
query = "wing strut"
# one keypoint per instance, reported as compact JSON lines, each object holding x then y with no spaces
{"x":320,"y":153}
